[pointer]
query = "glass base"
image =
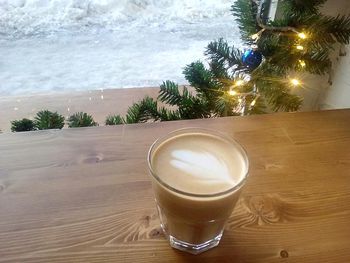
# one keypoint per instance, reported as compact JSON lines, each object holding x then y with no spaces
{"x":194,"y":248}
{"x":183,"y":245}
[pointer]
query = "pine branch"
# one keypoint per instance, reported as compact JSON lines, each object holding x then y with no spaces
{"x":151,"y":110}
{"x":282,"y":56}
{"x":203,"y":80}
{"x":275,"y":47}
{"x":22,"y":125}
{"x":258,"y":108}
{"x":278,"y":97}
{"x":147,"y":109}
{"x":224,"y":106}
{"x":248,"y":17}
{"x":297,"y":8}
{"x":81,"y":119}
{"x":170,"y":93}
{"x":46,"y":119}
{"x":219,"y":51}
{"x":274,"y":88}
{"x":134,"y":114}
{"x":189,"y":106}
{"x":331,"y":29}
{"x":168,"y":115}
{"x":275,"y":28}
{"x":114,"y":120}
{"x":268,"y":70}
{"x":200,"y":108}
{"x":244,"y":12}
{"x":208,"y":88}
{"x":200,"y":78}
{"x":317,"y":61}
{"x":219,"y":70}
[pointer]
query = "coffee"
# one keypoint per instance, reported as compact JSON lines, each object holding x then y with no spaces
{"x":196,"y":182}
{"x":198,"y":164}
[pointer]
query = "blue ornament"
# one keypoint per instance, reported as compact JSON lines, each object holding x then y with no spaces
{"x":252,"y":58}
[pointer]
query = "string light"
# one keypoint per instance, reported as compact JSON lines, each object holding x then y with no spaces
{"x":302,"y":35}
{"x":302,"y":63}
{"x":253,"y":102}
{"x":299,"y":47}
{"x":232,"y":92}
{"x":255,"y":36}
{"x":240,"y":100}
{"x":295,"y":82}
{"x":239,"y":83}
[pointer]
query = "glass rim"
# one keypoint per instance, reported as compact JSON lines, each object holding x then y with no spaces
{"x":203,"y":131}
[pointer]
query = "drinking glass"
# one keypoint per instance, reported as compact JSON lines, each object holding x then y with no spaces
{"x":194,"y":222}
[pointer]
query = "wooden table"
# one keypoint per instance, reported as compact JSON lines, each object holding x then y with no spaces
{"x":83,"y":195}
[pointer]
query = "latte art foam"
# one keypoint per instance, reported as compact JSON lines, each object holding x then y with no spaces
{"x":199,"y":163}
{"x":201,"y":166}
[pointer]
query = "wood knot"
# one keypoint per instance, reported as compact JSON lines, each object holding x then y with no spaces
{"x":267,"y":209}
{"x":155,"y":233}
{"x":284,"y":254}
{"x":93,"y":158}
{"x":146,"y":220}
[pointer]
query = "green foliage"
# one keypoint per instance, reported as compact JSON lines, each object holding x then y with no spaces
{"x":144,"y":111}
{"x":22,"y":125}
{"x":114,"y":120}
{"x":188,"y":105}
{"x":148,"y":109}
{"x":267,"y":88}
{"x":297,"y":8}
{"x":220,"y":52}
{"x":305,"y":16}
{"x":328,"y":30}
{"x":244,"y":12}
{"x":224,"y":105}
{"x":46,"y":119}
{"x":278,"y":96}
{"x":322,"y":31}
{"x":81,"y":119}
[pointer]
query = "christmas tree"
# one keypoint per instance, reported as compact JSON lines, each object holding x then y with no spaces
{"x":260,"y":79}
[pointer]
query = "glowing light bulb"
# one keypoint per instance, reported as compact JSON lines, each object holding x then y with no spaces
{"x":302,"y":63}
{"x":232,"y":92}
{"x":295,"y":82}
{"x":302,"y":35}
{"x":240,"y":100}
{"x":253,"y":102}
{"x":254,"y":36}
{"x":239,"y":83}
{"x":254,"y":47}
{"x":299,"y":47}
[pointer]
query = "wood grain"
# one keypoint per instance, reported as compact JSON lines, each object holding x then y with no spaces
{"x":83,"y":195}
